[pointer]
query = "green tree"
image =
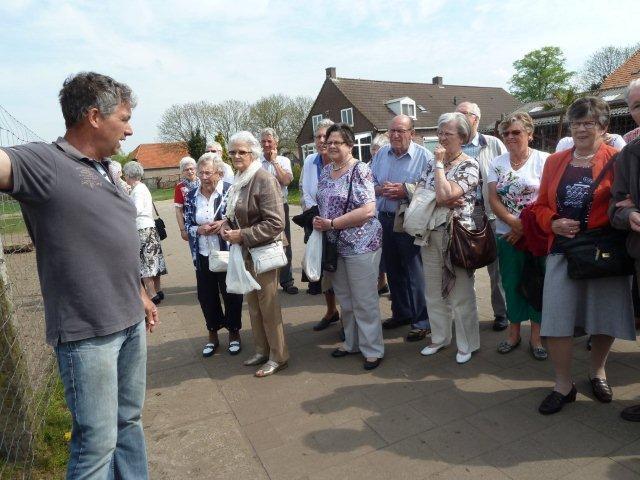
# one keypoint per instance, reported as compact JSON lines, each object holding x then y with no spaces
{"x":196,"y":144}
{"x":225,"y":154}
{"x":538,"y":74}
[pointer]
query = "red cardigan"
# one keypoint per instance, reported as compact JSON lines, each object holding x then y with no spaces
{"x":545,"y":208}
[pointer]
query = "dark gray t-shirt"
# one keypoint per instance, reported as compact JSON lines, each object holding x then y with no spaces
{"x":87,"y":246}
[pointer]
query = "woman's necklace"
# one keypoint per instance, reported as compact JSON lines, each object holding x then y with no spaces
{"x":454,"y":158}
{"x":582,"y":160}
{"x":516,"y":165}
{"x":336,"y":168}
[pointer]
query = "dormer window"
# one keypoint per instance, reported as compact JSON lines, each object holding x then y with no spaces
{"x":403,"y":106}
{"x":346,"y":116}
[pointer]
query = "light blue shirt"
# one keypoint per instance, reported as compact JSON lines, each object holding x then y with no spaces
{"x":407,"y":168}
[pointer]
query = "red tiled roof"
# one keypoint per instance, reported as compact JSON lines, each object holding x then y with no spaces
{"x":160,"y":155}
{"x":621,"y":76}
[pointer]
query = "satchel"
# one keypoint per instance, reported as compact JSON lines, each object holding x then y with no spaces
{"x":160,"y":226}
{"x":596,"y":253}
{"x":472,"y":249}
{"x":329,"y":248}
{"x":268,"y":257}
{"x":218,"y":260}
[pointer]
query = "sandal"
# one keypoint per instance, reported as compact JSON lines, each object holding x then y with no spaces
{"x":257,"y":359}
{"x":506,"y":347}
{"x":270,"y":368}
{"x":234,"y":347}
{"x":539,"y":353}
{"x":209,"y":349}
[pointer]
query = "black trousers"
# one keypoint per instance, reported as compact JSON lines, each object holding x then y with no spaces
{"x":212,"y":286}
{"x":286,"y":275}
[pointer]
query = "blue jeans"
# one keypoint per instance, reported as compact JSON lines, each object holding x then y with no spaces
{"x":104,"y":384}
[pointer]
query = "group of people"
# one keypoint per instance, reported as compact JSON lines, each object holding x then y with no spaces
{"x":99,"y":255}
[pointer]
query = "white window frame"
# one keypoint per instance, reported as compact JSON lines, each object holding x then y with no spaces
{"x":411,"y":106}
{"x":308,"y":149}
{"x":346,"y":116}
{"x":315,"y":120}
{"x":429,"y":139}
{"x":359,"y":143}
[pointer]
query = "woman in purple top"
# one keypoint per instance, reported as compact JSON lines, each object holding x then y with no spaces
{"x":347,"y":206}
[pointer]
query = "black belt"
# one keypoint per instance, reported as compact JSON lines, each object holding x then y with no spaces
{"x":387,"y":214}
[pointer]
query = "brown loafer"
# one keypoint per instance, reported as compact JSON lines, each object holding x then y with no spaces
{"x":601,"y":389}
{"x":417,"y":334}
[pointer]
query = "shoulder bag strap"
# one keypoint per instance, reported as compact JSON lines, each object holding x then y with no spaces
{"x":586,"y":206}
{"x":346,"y":205}
{"x":155,"y":209}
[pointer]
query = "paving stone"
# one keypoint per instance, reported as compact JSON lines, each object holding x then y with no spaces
{"x":396,"y":423}
{"x":603,"y":469}
{"x":444,"y":406}
{"x":458,"y":441}
{"x":471,"y":472}
{"x":629,"y":456}
{"x":505,"y":424}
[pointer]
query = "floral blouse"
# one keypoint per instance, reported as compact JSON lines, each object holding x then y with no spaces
{"x":331,"y":197}
{"x":466,"y":175}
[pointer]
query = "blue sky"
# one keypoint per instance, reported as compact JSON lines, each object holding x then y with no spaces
{"x":175,"y":51}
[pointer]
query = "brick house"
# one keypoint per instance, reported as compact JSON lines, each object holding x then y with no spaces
{"x":369,"y":105}
{"x":160,"y":162}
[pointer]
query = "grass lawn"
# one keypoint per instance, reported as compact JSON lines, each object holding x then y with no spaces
{"x":167,"y":193}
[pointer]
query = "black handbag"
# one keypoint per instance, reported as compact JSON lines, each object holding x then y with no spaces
{"x":160,"y":226}
{"x":596,"y":253}
{"x":329,"y":248}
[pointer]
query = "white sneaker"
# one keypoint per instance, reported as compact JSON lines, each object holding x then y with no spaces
{"x":433,"y":348}
{"x":463,"y":357}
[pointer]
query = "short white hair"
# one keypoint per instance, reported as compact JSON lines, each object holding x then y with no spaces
{"x":133,"y":170}
{"x":474,"y":108}
{"x":213,"y":145}
{"x":380,"y":140}
{"x":269,"y":132}
{"x":635,"y":83}
{"x":324,"y":123}
{"x":462,"y":124}
{"x":247,"y":138}
{"x":214,"y":159}
{"x":185,"y":161}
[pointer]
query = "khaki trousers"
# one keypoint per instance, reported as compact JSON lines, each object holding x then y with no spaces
{"x":459,"y":307}
{"x":266,"y":316}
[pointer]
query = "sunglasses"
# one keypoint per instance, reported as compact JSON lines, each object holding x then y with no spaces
{"x":510,"y":133}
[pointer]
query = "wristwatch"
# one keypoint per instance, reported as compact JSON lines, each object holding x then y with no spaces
{"x":440,"y":165}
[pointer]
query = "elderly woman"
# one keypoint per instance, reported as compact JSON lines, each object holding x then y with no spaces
{"x":600,"y":307}
{"x":347,"y":204}
{"x":203,"y":216}
{"x":453,"y":176}
{"x":312,"y":171}
{"x":151,"y":258}
{"x":115,"y":170}
{"x":377,"y":143}
{"x":255,"y":217}
{"x":188,"y":181}
{"x":514,"y":180}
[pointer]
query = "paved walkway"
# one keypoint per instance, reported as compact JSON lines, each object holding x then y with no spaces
{"x":413,"y":417}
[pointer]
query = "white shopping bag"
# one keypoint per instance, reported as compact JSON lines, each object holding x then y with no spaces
{"x":312,"y":261}
{"x":239,"y":280}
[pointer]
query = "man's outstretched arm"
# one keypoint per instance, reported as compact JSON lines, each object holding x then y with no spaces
{"x":6,"y":179}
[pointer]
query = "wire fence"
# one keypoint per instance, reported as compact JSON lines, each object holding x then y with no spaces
{"x":27,"y":368}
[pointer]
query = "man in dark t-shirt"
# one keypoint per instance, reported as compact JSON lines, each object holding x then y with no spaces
{"x":87,"y":249}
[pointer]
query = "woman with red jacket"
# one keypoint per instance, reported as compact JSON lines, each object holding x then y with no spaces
{"x":601,"y":307}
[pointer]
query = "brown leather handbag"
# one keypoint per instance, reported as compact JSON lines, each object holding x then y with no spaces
{"x":472,"y":249}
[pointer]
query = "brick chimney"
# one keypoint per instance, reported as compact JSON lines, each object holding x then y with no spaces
{"x":437,"y":81}
{"x":331,"y":72}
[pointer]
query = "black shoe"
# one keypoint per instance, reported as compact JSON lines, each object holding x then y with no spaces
{"x":314,"y":288}
{"x":631,"y":414}
{"x":500,"y":323}
{"x":291,"y":289}
{"x":161,"y":294}
{"x":339,"y":353}
{"x":325,"y":322}
{"x":390,"y":323}
{"x":371,"y":365}
{"x":601,"y":389}
{"x":383,"y":290}
{"x":554,"y":402}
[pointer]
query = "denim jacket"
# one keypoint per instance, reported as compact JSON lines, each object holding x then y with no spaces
{"x":192,"y":227}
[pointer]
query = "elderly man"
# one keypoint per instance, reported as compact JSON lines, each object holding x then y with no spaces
{"x":215,"y":147}
{"x":485,"y":148}
{"x":279,"y":167}
{"x":399,"y":163}
{"x":624,"y":210}
{"x":95,"y":307}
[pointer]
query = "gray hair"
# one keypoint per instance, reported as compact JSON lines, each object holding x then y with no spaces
{"x":590,"y":107}
{"x":635,"y":83}
{"x":380,"y":140}
{"x":213,"y":145}
{"x":462,"y":124}
{"x":133,"y":169}
{"x":186,"y":161}
{"x":473,"y":108}
{"x":248,"y":138}
{"x":324,"y":123}
{"x":86,"y":90}
{"x":269,"y":132}
{"x":214,"y":159}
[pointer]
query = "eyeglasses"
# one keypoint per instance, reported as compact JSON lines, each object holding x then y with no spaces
{"x":207,"y":174}
{"x":240,"y":153}
{"x":337,"y":144}
{"x":588,"y":125}
{"x":189,"y":169}
{"x":511,"y":133}
{"x":398,"y":131}
{"x":446,"y":134}
{"x":467,"y":113}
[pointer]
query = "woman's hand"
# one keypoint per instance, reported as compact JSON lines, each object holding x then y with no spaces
{"x":322,"y":224}
{"x":184,"y":235}
{"x":439,"y":152}
{"x":516,"y":225}
{"x":512,"y":237}
{"x":217,"y":226}
{"x":565,"y":227}
{"x":232,"y":236}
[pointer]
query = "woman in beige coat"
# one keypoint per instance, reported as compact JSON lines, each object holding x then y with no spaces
{"x":255,"y":216}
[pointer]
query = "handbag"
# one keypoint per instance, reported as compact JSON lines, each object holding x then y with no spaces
{"x":218,"y":260}
{"x":268,"y":257}
{"x":160,"y":226}
{"x":329,"y":248}
{"x":472,"y":249}
{"x":599,"y":252}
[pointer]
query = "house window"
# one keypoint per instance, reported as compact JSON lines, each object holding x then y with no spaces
{"x":362,"y":147}
{"x":430,"y":143}
{"x":308,"y":149}
{"x":409,"y":109}
{"x":315,"y":120}
{"x":346,"y":116}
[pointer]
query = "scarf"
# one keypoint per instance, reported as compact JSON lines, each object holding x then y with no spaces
{"x":240,"y":180}
{"x":191,"y":184}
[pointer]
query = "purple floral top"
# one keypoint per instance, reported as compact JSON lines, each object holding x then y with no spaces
{"x":331,"y":197}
